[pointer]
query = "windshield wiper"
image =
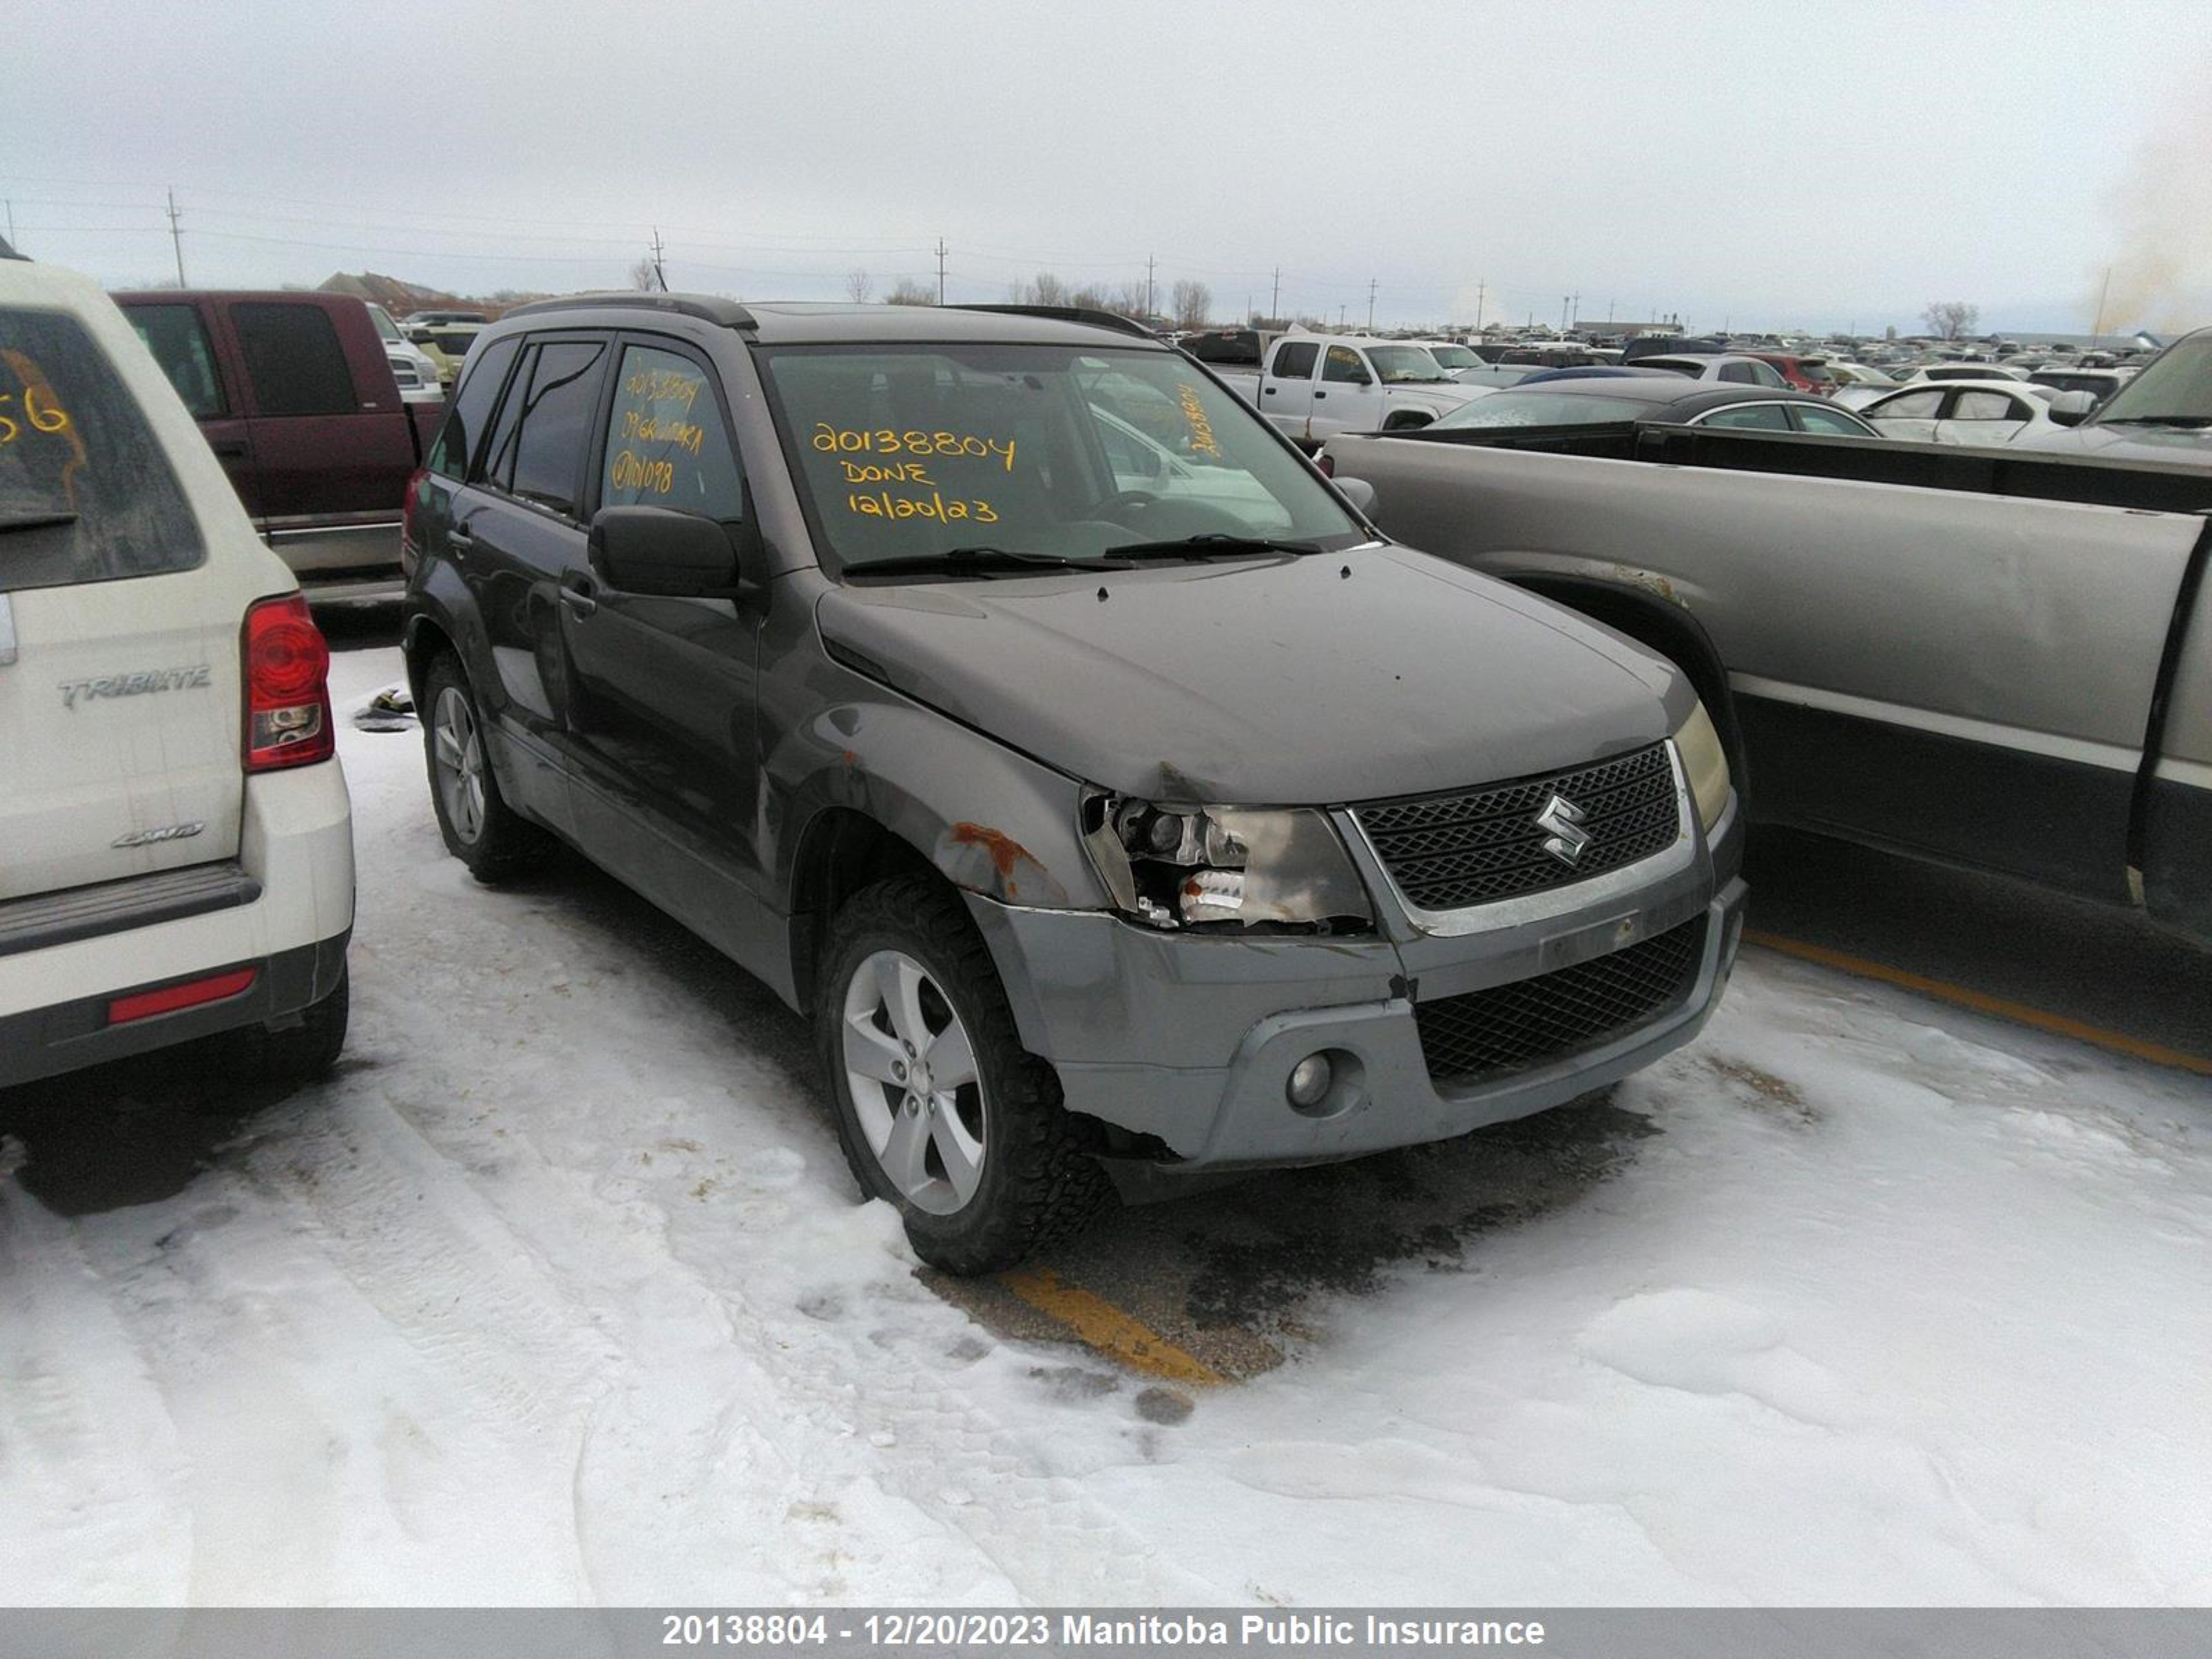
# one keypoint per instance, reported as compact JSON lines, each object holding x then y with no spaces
{"x":2157,"y":420}
{"x":962,"y":560}
{"x":36,"y":521}
{"x":1208,"y":544}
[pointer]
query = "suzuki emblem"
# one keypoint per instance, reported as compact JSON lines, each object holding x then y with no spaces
{"x":1566,"y":838}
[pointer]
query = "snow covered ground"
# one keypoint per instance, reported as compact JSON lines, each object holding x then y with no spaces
{"x":559,"y":1292}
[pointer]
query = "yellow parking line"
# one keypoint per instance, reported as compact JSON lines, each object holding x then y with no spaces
{"x":1104,"y":1326}
{"x":2019,"y":1012}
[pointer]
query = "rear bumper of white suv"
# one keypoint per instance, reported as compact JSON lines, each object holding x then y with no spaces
{"x":76,"y":969}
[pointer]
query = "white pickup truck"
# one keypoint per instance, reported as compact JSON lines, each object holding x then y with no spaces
{"x":1315,"y":385}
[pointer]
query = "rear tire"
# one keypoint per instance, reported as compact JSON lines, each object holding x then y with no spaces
{"x":939,"y":1109}
{"x":480,"y":828}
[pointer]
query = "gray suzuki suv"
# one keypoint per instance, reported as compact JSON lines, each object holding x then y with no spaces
{"x":1002,"y":691}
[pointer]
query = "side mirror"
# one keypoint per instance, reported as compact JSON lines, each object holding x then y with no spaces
{"x":2072,"y":408}
{"x":1360,"y":493}
{"x":652,"y":551}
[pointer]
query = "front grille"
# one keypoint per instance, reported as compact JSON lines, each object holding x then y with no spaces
{"x":1466,"y":1039}
{"x":1448,"y":851}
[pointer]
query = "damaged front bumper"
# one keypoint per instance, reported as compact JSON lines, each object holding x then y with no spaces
{"x":1187,"y":1042}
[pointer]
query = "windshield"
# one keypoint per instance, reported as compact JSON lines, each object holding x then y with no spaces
{"x":910,"y":450}
{"x":1399,"y":364}
{"x":1455,"y":357}
{"x":385,"y":328}
{"x":1545,"y":408}
{"x":2177,"y":388}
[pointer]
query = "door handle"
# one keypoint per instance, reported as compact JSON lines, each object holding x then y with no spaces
{"x":229,"y":449}
{"x":580,"y":593}
{"x":1267,"y":392}
{"x":1321,"y":394}
{"x":459,"y":536}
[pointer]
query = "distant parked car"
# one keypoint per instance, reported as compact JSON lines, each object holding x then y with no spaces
{"x":1990,"y":411}
{"x":1735,"y":369}
{"x":2162,"y":414}
{"x":2099,"y":383}
{"x":1624,"y":399}
{"x":176,"y":842}
{"x":1657,"y":345}
{"x":1799,"y":373}
{"x":1961,"y":371}
{"x":421,"y":377}
{"x":1494,"y":376}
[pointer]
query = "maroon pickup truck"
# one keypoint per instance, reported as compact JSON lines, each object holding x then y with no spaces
{"x":297,"y":399}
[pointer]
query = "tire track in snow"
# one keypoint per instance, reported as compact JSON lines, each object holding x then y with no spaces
{"x":89,"y":1459}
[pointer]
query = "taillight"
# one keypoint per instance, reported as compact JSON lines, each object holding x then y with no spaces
{"x":287,"y":694}
{"x":1328,"y":465}
{"x":408,"y":551}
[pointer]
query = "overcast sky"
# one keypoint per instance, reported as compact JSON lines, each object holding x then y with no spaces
{"x":1762,"y":164}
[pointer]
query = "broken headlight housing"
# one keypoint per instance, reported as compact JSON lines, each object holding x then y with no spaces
{"x":1224,"y":869}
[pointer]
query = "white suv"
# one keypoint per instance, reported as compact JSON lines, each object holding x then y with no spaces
{"x":176,"y":842}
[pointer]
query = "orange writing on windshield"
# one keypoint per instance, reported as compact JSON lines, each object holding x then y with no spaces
{"x":883,"y":441}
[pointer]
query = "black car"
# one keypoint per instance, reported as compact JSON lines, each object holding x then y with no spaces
{"x":1669,"y":399}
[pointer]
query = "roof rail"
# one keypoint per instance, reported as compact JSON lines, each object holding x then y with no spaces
{"x":7,"y":253}
{"x":1089,"y":314}
{"x":706,"y":306}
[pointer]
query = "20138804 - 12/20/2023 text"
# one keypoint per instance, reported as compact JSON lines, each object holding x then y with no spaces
{"x":1200,"y":1632}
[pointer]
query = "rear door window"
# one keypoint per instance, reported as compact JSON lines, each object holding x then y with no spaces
{"x":1826,"y":422}
{"x":294,"y":359}
{"x":86,"y":494}
{"x":555,"y":421}
{"x":1294,"y":361}
{"x":178,"y":337}
{"x":463,"y":433}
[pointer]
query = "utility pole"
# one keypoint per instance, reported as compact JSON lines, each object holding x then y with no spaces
{"x":1370,"y":305}
{"x":1150,"y":263}
{"x":1275,"y":298}
{"x":176,"y":241}
{"x":1566,"y":305}
{"x":2103,"y":294}
{"x":659,"y":275}
{"x":940,"y":269}
{"x":1481,"y":292}
{"x":11,"y":226}
{"x":1340,"y":310}
{"x":1575,"y":307}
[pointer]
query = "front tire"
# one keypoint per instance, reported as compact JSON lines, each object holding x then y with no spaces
{"x":939,"y":1109}
{"x":480,"y":828}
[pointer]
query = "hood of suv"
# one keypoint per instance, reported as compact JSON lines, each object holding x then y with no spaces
{"x":1301,"y":681}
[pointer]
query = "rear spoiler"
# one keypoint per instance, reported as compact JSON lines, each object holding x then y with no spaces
{"x":7,"y":253}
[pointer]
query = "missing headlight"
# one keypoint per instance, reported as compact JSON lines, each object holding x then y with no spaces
{"x":1225,"y":868}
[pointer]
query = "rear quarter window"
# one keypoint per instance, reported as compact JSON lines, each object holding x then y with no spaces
{"x":462,"y":436}
{"x":294,"y":359}
{"x":86,"y":495}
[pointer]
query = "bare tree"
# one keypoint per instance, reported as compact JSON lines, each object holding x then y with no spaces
{"x":1949,"y":318}
{"x":860,"y":287}
{"x":1191,"y":300}
{"x":1129,"y":299}
{"x":644,"y":274}
{"x":908,"y":292}
{"x":1091,"y":296}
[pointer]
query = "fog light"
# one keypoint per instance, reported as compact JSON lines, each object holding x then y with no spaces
{"x":1310,"y":1082}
